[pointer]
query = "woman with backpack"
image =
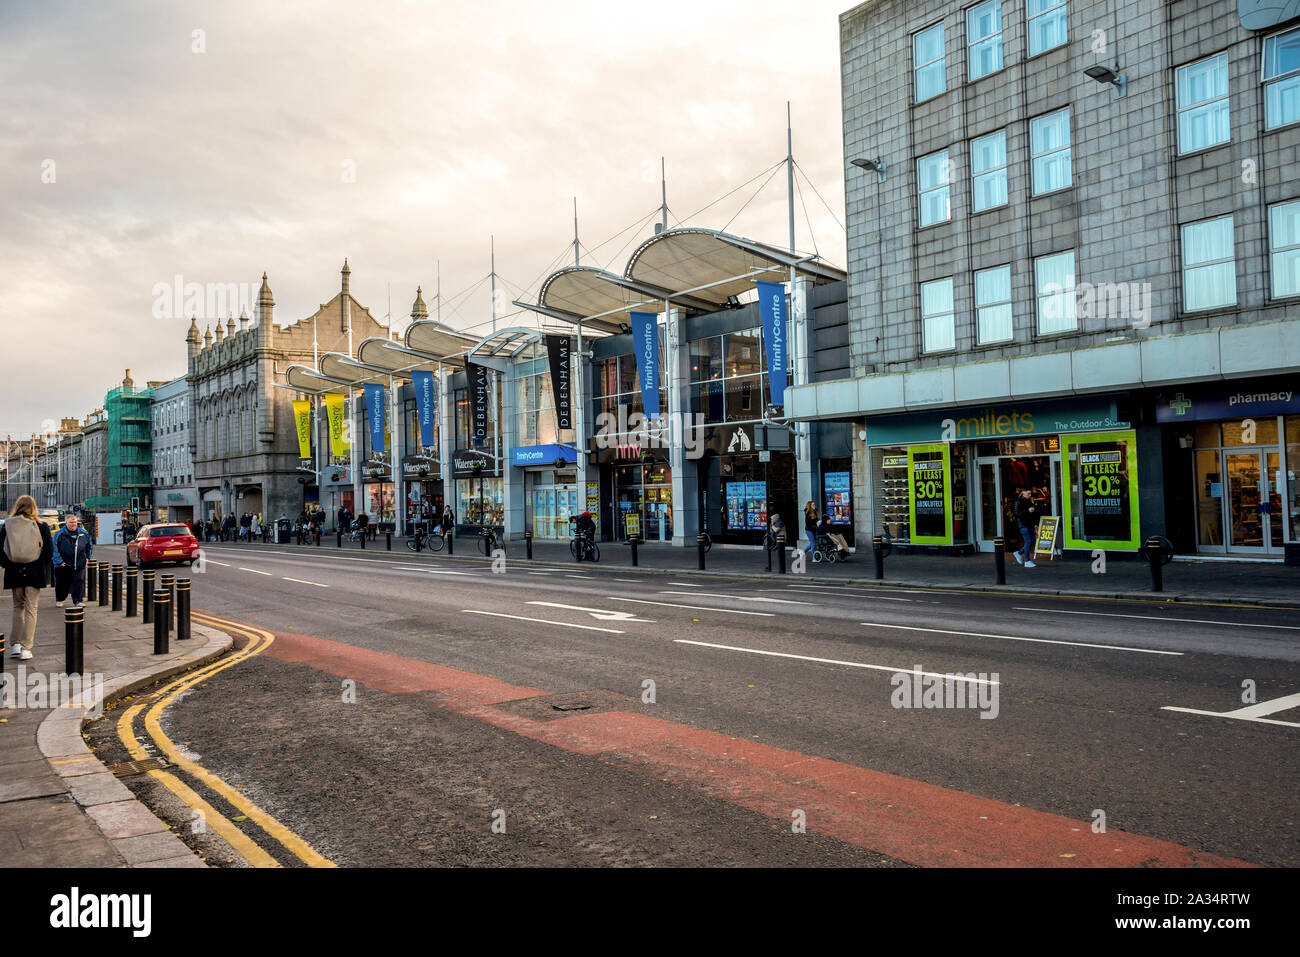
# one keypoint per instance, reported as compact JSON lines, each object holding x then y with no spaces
{"x":25,"y":551}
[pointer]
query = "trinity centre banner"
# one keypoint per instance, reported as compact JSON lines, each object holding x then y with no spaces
{"x":426,"y":404}
{"x":375,"y":416}
{"x":645,"y":343}
{"x":771,"y":306}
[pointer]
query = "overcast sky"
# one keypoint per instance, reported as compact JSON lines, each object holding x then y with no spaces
{"x":460,"y":120}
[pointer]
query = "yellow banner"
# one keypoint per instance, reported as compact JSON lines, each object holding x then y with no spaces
{"x":340,"y":439}
{"x":302,"y":418}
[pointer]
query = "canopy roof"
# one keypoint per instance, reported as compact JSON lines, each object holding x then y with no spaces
{"x":306,"y":379}
{"x":508,"y":343}
{"x":699,"y":270}
{"x":436,"y":340}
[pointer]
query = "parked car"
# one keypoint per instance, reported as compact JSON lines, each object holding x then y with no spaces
{"x":161,"y":543}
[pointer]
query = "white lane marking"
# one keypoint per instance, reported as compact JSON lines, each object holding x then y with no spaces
{"x":579,"y":577}
{"x":543,"y":574}
{"x":303,"y":582}
{"x":213,"y":561}
{"x":1229,"y":714}
{"x":836,"y":661}
{"x":540,"y":621}
{"x":254,"y":571}
{"x":433,"y":571}
{"x":635,"y":581}
{"x":685,"y":584}
{"x":1252,"y":712}
{"x":709,"y":594}
{"x":598,"y":613}
{"x":862,"y":592}
{"x":668,"y":604}
{"x":1043,"y":641}
{"x":1185,"y":621}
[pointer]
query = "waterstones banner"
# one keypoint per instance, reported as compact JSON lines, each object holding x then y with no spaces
{"x":375,"y":416}
{"x":426,"y":405}
{"x":477,"y":375}
{"x":771,"y":306}
{"x":340,"y":434}
{"x":645,"y":343}
{"x":557,"y":353}
{"x":302,"y":419}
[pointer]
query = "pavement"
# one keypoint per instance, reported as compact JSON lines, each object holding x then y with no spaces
{"x":60,"y":806}
{"x":1268,"y":583}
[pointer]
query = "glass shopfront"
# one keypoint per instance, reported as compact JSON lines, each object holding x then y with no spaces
{"x":552,"y":500}
{"x":646,"y":489}
{"x":480,"y":501}
{"x":423,"y":501}
{"x":1247,"y":499}
{"x":379,"y":502}
{"x":960,"y":488}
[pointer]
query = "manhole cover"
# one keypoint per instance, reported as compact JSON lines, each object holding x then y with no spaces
{"x":128,"y":768}
{"x":552,"y":707}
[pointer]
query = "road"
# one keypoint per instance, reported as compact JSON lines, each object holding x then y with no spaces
{"x":428,"y":711}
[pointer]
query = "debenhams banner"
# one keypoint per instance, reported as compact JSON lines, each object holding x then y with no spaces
{"x":993,"y":422}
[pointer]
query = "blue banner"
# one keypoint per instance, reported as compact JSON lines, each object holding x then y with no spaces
{"x":771,"y":305}
{"x":645,"y":343}
{"x":426,"y":404}
{"x":375,"y":416}
{"x":542,"y":455}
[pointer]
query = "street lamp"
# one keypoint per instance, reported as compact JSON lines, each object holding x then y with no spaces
{"x":877,"y":164}
{"x":1111,"y":75}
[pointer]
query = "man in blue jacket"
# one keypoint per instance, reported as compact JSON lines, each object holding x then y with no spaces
{"x":72,"y":549}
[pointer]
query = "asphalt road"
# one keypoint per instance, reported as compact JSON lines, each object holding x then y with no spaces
{"x":773,"y":705}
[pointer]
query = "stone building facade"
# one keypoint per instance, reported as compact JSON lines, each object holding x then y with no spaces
{"x":1085,"y":242}
{"x":243,"y":441}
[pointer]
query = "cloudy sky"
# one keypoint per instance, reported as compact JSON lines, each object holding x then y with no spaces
{"x":133,"y":150}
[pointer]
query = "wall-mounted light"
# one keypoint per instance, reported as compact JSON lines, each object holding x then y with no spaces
{"x":1111,"y":75}
{"x":877,"y":164}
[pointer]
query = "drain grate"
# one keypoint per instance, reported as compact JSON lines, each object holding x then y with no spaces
{"x":127,"y":768}
{"x":575,"y":706}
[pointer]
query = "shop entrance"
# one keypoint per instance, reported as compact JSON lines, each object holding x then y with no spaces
{"x":1253,"y":502}
{"x":1240,"y":490}
{"x":550,"y":510}
{"x":999,"y":479}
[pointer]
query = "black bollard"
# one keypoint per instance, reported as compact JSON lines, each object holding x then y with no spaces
{"x":339,"y":543}
{"x":780,"y":556}
{"x":167,"y":585}
{"x":148,"y":579}
{"x":92,"y":580}
{"x":767,"y":547}
{"x":636,"y":542}
{"x":699,"y":548}
{"x":363,"y":539}
{"x":316,"y":535}
{"x":1157,"y":569}
{"x":2,"y":652}
{"x":388,"y":541}
{"x":117,"y":588}
{"x":528,"y":544}
{"x":103,"y":583}
{"x":161,"y":615}
{"x":73,"y":639}
{"x":1000,"y":559}
{"x":132,"y":586}
{"x":182,"y":609}
{"x":451,"y":541}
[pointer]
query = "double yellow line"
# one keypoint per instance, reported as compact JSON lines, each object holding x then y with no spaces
{"x":258,"y":641}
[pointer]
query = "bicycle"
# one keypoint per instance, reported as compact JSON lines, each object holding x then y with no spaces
{"x":488,"y":542}
{"x":419,"y":540}
{"x":590,"y":551}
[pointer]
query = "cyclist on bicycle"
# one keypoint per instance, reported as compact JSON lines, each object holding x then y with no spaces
{"x":584,"y":531}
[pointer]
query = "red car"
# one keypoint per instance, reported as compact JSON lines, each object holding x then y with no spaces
{"x":156,"y":544}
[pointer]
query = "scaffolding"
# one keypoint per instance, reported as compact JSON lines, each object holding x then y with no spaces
{"x":129,"y":448}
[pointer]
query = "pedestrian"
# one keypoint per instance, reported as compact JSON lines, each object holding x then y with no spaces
{"x":25,"y":549}
{"x":255,"y":526}
{"x":245,"y":524}
{"x":448,"y":520}
{"x":775,"y":529}
{"x":72,"y":550}
{"x":1027,"y":519}
{"x":228,"y":528}
{"x":810,"y":525}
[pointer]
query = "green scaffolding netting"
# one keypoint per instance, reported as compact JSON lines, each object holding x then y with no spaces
{"x":128,"y":462}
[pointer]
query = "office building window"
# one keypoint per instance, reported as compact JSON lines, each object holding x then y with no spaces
{"x":1282,"y":79}
{"x":1049,"y":147}
{"x":1202,"y":89}
{"x":1054,"y":291}
{"x":1209,"y":265}
{"x":1048,"y":23}
{"x":928,"y":63}
{"x":933,"y":174}
{"x":937,"y":325}
{"x":988,"y":168}
{"x":993,"y":304}
{"x":984,"y":38}
{"x":1284,"y":249}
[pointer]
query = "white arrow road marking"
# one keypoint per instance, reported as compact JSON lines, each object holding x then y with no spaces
{"x":597,"y":613}
{"x":254,"y":571}
{"x":836,"y":661}
{"x":708,"y":594}
{"x":540,"y":621}
{"x":1252,"y":712}
{"x":1185,"y":621}
{"x":1043,"y":641}
{"x":668,"y":604}
{"x":302,"y":582}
